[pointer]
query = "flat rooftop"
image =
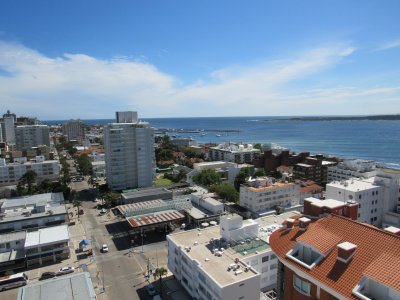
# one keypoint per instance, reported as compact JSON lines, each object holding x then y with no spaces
{"x":39,"y":199}
{"x":204,"y":241}
{"x":48,"y":235}
{"x":353,"y":185}
{"x":330,"y":203}
{"x":276,"y":185}
{"x":201,"y":250}
{"x":132,"y":194}
{"x":68,"y":287}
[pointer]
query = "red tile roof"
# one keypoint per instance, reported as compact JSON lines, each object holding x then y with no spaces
{"x":377,"y":254}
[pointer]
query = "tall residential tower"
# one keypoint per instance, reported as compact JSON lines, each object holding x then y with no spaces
{"x":129,"y":149}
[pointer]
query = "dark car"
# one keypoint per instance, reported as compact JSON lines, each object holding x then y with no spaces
{"x":47,"y":275}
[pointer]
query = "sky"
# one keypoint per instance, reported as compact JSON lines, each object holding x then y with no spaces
{"x":87,"y":59}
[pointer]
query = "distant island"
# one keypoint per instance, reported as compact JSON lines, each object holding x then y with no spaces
{"x":344,"y":118}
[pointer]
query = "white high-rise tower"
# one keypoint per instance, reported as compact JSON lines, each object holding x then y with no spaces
{"x":129,"y":149}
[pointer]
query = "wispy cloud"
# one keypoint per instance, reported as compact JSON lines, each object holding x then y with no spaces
{"x":78,"y":85}
{"x":389,"y":45}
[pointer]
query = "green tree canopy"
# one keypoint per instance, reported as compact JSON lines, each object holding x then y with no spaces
{"x":226,"y":191}
{"x":29,"y":178}
{"x":260,"y":172}
{"x":258,"y":146}
{"x":111,"y":198}
{"x":241,"y":177}
{"x":207,"y":177}
{"x":84,"y":164}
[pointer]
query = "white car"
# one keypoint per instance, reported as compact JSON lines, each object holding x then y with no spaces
{"x":104,"y":248}
{"x":65,"y":270}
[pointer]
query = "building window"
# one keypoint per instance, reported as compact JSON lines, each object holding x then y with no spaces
{"x":301,"y":285}
{"x":273,"y":256}
{"x":274,"y":266}
{"x":359,"y":196}
{"x":265,"y":258}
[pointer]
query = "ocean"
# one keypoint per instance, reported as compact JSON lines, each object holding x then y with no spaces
{"x":366,"y":139}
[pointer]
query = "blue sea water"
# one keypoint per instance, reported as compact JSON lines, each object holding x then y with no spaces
{"x":375,"y":140}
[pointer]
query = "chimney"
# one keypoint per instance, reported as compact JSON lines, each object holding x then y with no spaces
{"x":304,"y":222}
{"x":351,"y":210}
{"x":290,"y":223}
{"x":346,"y":251}
{"x":393,"y":230}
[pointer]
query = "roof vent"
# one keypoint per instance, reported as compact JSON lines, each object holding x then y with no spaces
{"x":304,"y":222}
{"x":346,"y":251}
{"x":238,"y":272}
{"x":289,"y":223}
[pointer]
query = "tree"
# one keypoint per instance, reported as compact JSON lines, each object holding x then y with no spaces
{"x":78,"y":204}
{"x":226,"y":191}
{"x":241,"y":177}
{"x":84,"y":164}
{"x":258,"y":146}
{"x":207,"y":177}
{"x":111,"y":198}
{"x":28,"y":179}
{"x":160,"y":272}
{"x":260,"y":172}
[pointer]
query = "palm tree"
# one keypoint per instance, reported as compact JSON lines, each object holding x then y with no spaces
{"x":160,"y":272}
{"x":28,"y":178}
{"x":78,"y":204}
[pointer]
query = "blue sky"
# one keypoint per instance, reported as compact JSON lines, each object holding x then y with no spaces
{"x":87,"y":59}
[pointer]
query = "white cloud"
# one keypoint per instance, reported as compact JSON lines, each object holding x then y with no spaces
{"x":389,"y":45}
{"x":78,"y":85}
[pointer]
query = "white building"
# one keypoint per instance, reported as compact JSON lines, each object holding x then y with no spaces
{"x":368,"y":196}
{"x":237,"y":153}
{"x":352,"y":168}
{"x":47,"y":244}
{"x":9,"y":129}
{"x":227,"y":170}
{"x":183,"y":142}
{"x":12,"y":172}
{"x":262,"y":195}
{"x":389,"y":180}
{"x":28,"y":136}
{"x":74,"y":130}
{"x":32,"y":211}
{"x":206,"y":200}
{"x":129,"y":149}
{"x":229,"y":261}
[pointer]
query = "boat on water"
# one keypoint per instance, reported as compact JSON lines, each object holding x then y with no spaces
{"x":217,"y":135}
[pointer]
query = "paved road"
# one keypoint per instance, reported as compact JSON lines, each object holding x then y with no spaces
{"x":120,"y":271}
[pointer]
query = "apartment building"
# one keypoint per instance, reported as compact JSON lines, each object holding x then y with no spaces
{"x":237,"y":153}
{"x":314,"y":168}
{"x":229,"y":261}
{"x":28,"y":136}
{"x":263,"y":195}
{"x":368,"y":196}
{"x":11,"y":173}
{"x":352,"y":168}
{"x":227,"y":170}
{"x":74,"y":130}
{"x":129,"y":149}
{"x":336,"y":258}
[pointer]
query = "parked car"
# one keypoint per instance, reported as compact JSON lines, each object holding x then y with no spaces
{"x":151,"y":290}
{"x":103,"y":211}
{"x":65,"y":270}
{"x":47,"y":275}
{"x":104,"y":248}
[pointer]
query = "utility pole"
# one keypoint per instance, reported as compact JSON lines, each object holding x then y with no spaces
{"x":148,"y":267}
